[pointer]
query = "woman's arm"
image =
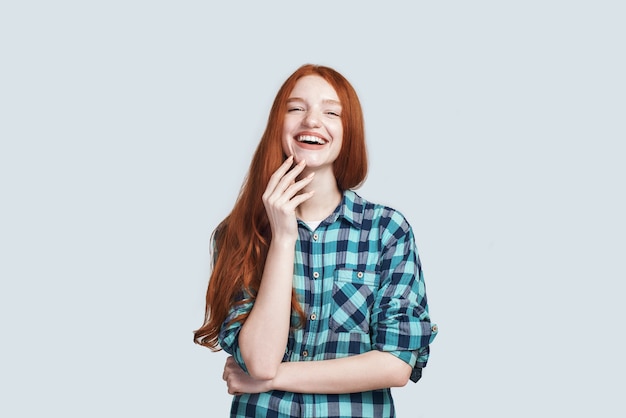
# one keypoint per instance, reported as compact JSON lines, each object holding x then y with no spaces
{"x":263,"y":336}
{"x":368,"y":371}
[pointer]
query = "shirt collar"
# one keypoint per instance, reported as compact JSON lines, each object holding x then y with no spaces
{"x":351,"y":209}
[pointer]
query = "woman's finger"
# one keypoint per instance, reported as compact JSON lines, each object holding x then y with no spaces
{"x":278,"y":174}
{"x":292,"y":191}
{"x":289,"y":186}
{"x":287,"y":179}
{"x":302,"y":197}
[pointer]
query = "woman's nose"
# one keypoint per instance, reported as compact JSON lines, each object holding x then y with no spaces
{"x":312,"y":119}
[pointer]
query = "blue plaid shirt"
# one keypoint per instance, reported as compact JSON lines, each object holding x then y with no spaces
{"x":359,"y":280}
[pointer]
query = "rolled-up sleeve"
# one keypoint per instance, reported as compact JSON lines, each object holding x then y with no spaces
{"x":401,"y":323}
{"x":229,"y":333}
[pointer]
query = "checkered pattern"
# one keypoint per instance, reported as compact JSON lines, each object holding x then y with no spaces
{"x":360,"y":282}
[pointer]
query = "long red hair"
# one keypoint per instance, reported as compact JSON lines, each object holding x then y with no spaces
{"x":242,"y":239}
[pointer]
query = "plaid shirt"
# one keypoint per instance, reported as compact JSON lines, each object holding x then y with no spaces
{"x":360,"y":283}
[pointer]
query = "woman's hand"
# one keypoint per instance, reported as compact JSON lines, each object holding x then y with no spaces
{"x":281,"y":198}
{"x":239,"y":382}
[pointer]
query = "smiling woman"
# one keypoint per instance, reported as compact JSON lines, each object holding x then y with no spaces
{"x":313,"y":132}
{"x":313,"y":120}
{"x":317,"y":294}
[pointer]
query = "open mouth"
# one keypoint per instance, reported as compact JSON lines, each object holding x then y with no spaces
{"x":311,"y":140}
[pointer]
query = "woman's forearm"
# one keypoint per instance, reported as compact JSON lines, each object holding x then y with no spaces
{"x":368,"y":371}
{"x":263,"y":336}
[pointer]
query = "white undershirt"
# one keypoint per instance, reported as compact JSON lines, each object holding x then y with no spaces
{"x":313,"y":224}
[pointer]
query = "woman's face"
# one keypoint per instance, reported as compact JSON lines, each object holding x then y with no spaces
{"x":312,"y":129}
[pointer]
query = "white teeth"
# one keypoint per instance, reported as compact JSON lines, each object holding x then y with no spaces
{"x":310,"y":139}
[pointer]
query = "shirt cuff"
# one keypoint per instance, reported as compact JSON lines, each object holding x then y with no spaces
{"x":416,"y":359}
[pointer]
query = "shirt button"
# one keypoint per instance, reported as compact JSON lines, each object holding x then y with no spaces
{"x":434,"y":328}
{"x":305,"y":353}
{"x":359,"y":275}
{"x":313,"y":317}
{"x":315,"y":237}
{"x":316,"y":275}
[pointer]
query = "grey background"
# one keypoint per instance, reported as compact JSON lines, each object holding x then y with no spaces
{"x":127,"y":127}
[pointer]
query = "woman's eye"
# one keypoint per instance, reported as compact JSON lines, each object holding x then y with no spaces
{"x":334,"y":114}
{"x":295,"y":109}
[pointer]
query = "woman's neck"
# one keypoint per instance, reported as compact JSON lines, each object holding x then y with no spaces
{"x":326,"y":198}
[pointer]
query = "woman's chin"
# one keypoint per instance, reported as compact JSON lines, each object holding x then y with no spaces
{"x":297,"y":159}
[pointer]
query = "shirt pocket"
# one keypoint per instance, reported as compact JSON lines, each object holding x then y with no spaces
{"x":352,"y":300}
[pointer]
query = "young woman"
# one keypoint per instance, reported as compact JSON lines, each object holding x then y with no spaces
{"x":316,"y":293}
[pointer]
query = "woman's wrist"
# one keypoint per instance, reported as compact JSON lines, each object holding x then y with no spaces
{"x":284,"y":242}
{"x":274,"y":384}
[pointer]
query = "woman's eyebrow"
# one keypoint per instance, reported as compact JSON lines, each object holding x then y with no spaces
{"x":325,"y":101}
{"x":332,"y":102}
